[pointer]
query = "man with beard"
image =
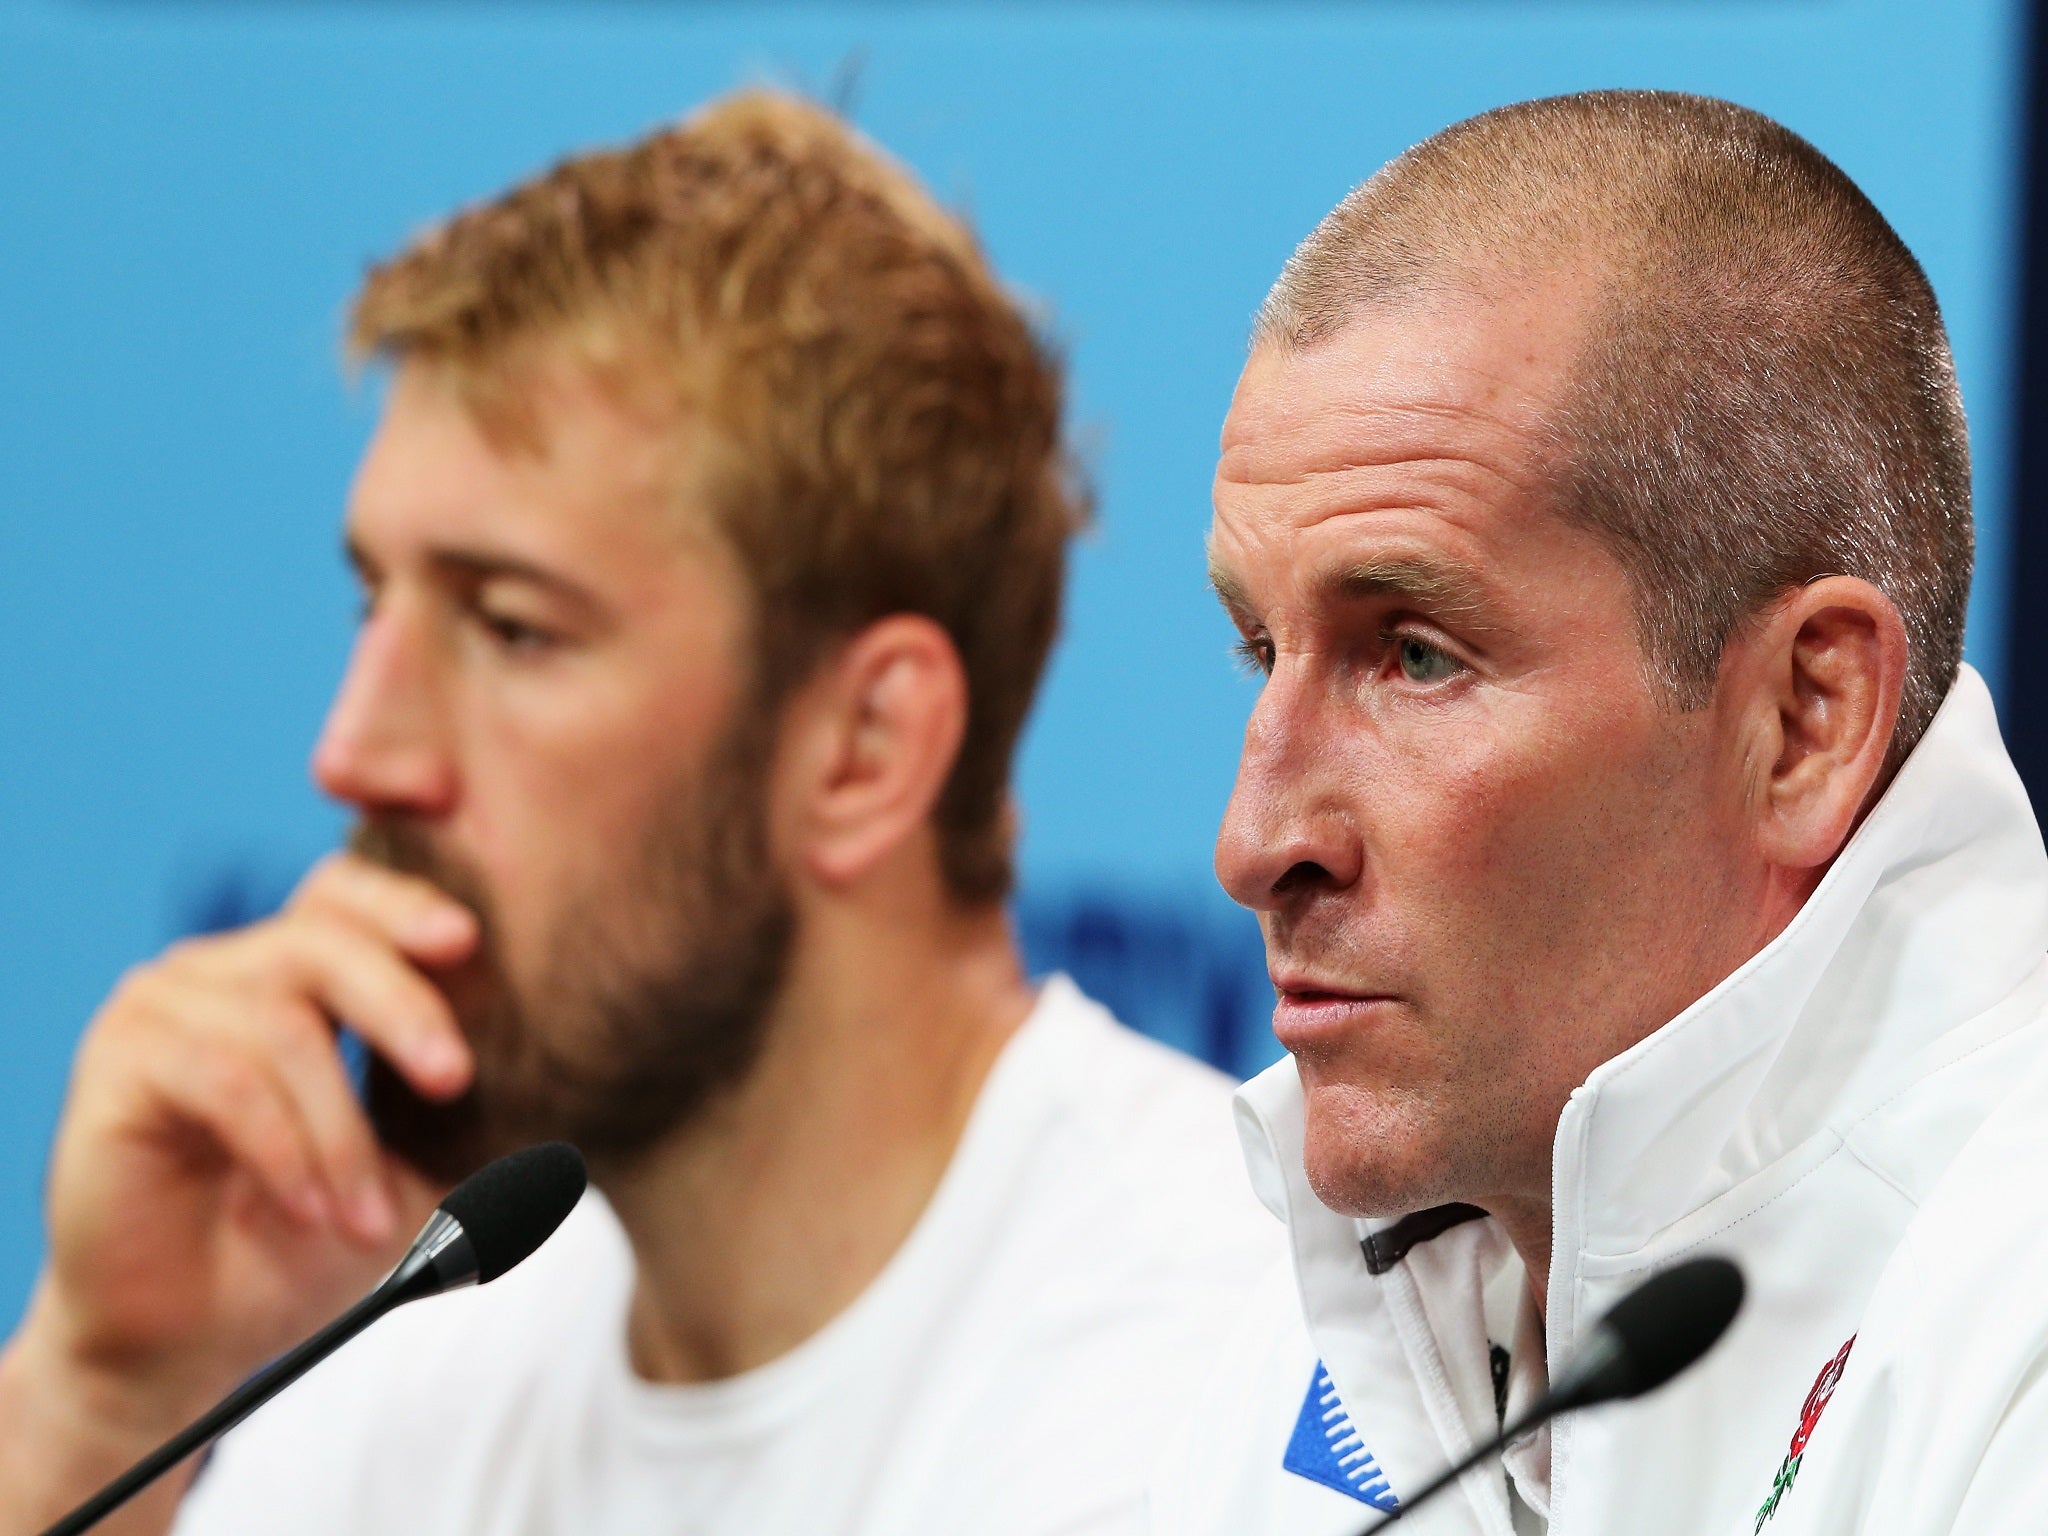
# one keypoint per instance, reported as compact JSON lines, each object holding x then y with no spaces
{"x":711,"y":544}
{"x":1640,"y":868}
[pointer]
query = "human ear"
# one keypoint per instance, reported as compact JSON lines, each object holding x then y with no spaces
{"x":884,"y":725}
{"x":1827,"y":667}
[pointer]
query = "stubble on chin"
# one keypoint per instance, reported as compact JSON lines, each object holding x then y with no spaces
{"x":1369,"y":1152}
{"x":1386,"y":1151}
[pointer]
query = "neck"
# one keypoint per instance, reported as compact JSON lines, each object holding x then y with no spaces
{"x":768,"y":1215}
{"x":1778,"y":895}
{"x":1527,"y":1224}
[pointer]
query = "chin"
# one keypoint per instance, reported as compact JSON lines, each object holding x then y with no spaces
{"x":1365,"y":1159}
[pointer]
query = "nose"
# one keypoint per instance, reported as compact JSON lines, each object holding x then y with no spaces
{"x":383,"y":748}
{"x":1287,"y":834}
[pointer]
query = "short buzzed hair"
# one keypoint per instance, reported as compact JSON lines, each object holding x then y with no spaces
{"x":1764,"y":393}
{"x":869,"y":420}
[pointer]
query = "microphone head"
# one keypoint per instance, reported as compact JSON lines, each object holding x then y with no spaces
{"x":510,"y":1207}
{"x":1661,"y":1327}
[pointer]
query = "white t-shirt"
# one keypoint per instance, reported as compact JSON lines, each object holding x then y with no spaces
{"x":1011,"y":1370}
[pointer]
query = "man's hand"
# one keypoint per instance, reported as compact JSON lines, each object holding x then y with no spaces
{"x":216,"y":1191}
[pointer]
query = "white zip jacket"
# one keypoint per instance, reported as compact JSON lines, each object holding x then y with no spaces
{"x":1858,"y":1117}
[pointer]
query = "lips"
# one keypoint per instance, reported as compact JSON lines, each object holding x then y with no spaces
{"x":1311,"y":1016}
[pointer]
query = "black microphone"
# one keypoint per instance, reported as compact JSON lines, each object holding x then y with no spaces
{"x":1650,"y":1335}
{"x":491,"y":1221}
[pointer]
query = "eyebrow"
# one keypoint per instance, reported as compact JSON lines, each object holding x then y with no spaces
{"x":476,"y":565}
{"x":1229,"y":592}
{"x":1446,"y":593}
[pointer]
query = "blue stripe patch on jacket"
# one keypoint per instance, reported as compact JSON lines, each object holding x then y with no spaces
{"x":1325,"y":1448}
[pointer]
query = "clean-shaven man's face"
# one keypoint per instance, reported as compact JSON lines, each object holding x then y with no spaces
{"x":1483,"y":847}
{"x":548,"y":712}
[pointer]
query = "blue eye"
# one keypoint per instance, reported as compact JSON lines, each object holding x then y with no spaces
{"x":1422,"y":662}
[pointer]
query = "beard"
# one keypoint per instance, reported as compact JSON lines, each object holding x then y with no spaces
{"x":650,"y":999}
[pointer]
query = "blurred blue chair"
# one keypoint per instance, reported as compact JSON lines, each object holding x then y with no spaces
{"x":1189,"y":972}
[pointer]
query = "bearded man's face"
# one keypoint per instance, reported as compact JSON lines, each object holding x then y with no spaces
{"x":549,"y":712}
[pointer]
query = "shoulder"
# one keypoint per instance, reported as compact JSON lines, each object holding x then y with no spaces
{"x":1943,"y":1399}
{"x":1163,"y":1110}
{"x":1132,"y":1143}
{"x":1946,"y":1098}
{"x":1117,"y":1244}
{"x":1964,"y":1288}
{"x":1232,"y":1465}
{"x":429,"y":1397}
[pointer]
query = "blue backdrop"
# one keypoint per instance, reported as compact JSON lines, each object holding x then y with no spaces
{"x":188,"y":192}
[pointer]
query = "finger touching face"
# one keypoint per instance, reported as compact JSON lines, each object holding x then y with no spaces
{"x":1463,"y":811}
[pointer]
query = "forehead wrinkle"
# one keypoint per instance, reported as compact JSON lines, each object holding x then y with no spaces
{"x":1471,"y":407}
{"x":1453,"y":494}
{"x":1494,"y":455}
{"x":1349,"y":461}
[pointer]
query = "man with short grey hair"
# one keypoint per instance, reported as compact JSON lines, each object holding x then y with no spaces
{"x":1641,"y":871}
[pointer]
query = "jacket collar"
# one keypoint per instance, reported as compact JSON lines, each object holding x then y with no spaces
{"x":1936,"y":908}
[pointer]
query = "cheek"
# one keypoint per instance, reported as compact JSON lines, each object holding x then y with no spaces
{"x":1498,"y":845}
{"x":556,"y":821}
{"x":1452,"y":818}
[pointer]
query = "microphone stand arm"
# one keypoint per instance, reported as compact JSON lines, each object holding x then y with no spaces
{"x":1575,"y":1384}
{"x":442,"y":1246}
